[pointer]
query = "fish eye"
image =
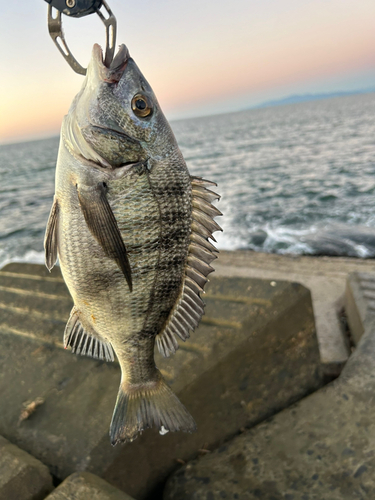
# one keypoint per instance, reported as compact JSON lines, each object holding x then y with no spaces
{"x":141,"y":106}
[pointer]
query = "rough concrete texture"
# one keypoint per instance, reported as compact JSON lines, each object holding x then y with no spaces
{"x":86,"y":486}
{"x":33,"y":302}
{"x":254,"y":354}
{"x":325,"y":277}
{"x":359,"y":303}
{"x":22,"y":477}
{"x":322,"y":448}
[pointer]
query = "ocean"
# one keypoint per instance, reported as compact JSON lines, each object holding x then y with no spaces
{"x":293,"y":179}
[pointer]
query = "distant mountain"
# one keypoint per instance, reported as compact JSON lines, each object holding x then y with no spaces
{"x":293,"y":99}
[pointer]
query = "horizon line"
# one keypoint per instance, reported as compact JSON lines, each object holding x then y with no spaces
{"x":282,"y":101}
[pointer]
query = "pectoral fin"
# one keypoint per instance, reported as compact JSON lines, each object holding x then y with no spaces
{"x":103,"y":226}
{"x":50,"y":239}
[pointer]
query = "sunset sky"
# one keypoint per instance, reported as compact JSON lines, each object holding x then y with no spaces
{"x":200,"y":57}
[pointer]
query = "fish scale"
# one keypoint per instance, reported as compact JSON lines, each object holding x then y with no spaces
{"x":131,"y":229}
{"x":128,"y":214}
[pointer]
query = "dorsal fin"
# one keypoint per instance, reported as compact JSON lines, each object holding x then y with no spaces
{"x":189,"y":307}
{"x":84,"y":343}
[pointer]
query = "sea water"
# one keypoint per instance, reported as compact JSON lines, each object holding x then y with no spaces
{"x":296,"y":179}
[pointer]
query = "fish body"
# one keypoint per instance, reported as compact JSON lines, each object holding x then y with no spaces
{"x":131,"y":229}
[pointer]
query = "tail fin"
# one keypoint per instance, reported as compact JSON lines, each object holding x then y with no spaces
{"x":140,"y":406}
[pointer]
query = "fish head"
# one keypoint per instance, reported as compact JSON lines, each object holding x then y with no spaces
{"x":116,"y":119}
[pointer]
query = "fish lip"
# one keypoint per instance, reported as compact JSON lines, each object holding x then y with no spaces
{"x":117,"y":66}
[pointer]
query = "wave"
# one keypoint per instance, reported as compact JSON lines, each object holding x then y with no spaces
{"x":341,"y":240}
{"x":31,"y":257}
{"x":329,"y":239}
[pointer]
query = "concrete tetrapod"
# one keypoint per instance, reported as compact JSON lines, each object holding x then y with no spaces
{"x":22,"y":477}
{"x":322,"y":448}
{"x":86,"y":486}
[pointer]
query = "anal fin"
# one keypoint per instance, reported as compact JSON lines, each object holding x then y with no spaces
{"x":86,"y":343}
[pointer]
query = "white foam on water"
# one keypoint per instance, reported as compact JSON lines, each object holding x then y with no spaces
{"x":362,"y":251}
{"x":291,"y":238}
{"x":228,"y":242}
{"x":30,"y":257}
{"x":33,"y":257}
{"x":311,"y":240}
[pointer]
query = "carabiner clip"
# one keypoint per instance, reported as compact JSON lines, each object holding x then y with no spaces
{"x":56,"y":31}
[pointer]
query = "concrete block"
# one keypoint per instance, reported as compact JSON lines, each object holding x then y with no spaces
{"x":86,"y":486}
{"x":325,"y":277}
{"x":359,"y":302}
{"x":69,"y":430}
{"x":322,"y":448}
{"x":22,"y":477}
{"x":255,"y":353}
{"x":33,"y":302}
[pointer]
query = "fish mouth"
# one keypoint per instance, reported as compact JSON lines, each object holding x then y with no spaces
{"x":114,"y":72}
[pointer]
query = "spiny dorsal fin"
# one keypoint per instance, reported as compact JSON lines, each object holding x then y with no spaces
{"x":189,"y":308}
{"x":84,"y":343}
{"x":206,"y":194}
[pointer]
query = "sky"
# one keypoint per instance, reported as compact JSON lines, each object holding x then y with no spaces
{"x":200,"y":57}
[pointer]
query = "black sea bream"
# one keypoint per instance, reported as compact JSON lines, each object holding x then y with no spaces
{"x":131,"y":229}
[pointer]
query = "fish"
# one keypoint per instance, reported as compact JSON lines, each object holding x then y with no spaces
{"x":133,"y":232}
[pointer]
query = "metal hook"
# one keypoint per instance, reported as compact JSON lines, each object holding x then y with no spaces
{"x":56,"y":31}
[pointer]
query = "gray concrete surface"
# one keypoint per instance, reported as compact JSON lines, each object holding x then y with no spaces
{"x":22,"y":477}
{"x":86,"y":486}
{"x":325,"y":277}
{"x":34,"y":303}
{"x":255,"y":353}
{"x":359,"y":303}
{"x":322,"y":448}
